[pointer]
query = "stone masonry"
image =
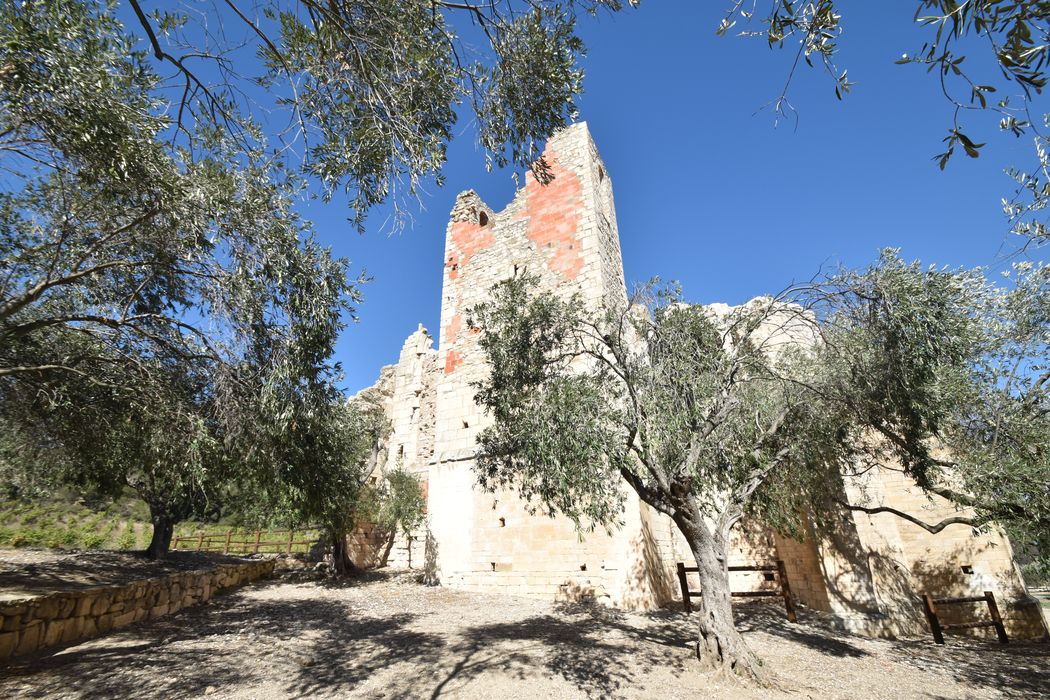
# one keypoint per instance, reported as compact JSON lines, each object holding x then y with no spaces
{"x":40,"y":622}
{"x":867,"y":571}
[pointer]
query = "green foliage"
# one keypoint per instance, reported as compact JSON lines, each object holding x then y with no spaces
{"x":372,"y":89}
{"x":552,"y":439}
{"x":401,"y":503}
{"x":167,"y":320}
{"x":152,"y":291}
{"x":317,"y":461}
{"x":62,"y":523}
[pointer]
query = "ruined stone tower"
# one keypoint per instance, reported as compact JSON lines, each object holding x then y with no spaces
{"x":564,"y":232}
{"x":867,"y":573}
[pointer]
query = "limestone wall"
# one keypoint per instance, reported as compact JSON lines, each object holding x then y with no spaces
{"x":33,"y":624}
{"x":899,"y":560}
{"x":411,"y":409}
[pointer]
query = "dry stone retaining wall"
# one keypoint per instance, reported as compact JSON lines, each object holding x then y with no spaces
{"x":33,"y":624}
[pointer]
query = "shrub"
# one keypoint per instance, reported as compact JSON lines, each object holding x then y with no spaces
{"x":127,"y":537}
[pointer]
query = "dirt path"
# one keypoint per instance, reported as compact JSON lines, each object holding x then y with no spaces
{"x":392,"y":638}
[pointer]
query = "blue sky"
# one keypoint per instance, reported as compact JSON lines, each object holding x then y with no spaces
{"x":707,"y":191}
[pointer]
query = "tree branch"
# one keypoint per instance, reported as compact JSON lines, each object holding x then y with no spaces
{"x":932,"y":529}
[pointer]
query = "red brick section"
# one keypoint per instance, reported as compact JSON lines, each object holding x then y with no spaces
{"x":452,"y":329}
{"x":467,"y":239}
{"x":554,"y":211}
{"x":452,"y":360}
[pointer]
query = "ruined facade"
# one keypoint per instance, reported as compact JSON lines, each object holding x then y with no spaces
{"x":867,"y":572}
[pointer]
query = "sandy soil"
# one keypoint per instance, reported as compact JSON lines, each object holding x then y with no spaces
{"x":386,"y":636}
{"x":29,"y":572}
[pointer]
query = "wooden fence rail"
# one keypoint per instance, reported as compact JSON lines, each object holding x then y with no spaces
{"x":777,"y":569}
{"x":929,"y":604}
{"x":254,"y":543}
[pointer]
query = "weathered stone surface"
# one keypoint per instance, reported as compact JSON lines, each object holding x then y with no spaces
{"x":47,"y":608}
{"x":101,"y":604}
{"x":29,"y":639}
{"x":83,"y":605}
{"x":123,"y":619}
{"x":104,"y":623}
{"x":8,"y":644}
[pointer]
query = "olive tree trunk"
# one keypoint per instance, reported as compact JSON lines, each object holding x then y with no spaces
{"x":163,"y":529}
{"x":719,"y":647}
{"x":341,"y":562}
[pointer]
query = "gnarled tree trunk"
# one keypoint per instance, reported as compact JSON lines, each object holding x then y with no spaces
{"x":719,"y":646}
{"x":163,"y":529}
{"x":341,"y":563}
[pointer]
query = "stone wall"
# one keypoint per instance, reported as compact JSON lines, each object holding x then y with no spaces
{"x":33,"y":624}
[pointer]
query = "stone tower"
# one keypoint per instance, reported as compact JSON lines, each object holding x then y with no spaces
{"x":565,"y":232}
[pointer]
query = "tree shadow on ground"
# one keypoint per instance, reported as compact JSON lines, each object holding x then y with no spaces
{"x":191,"y":654}
{"x":1015,"y":670}
{"x":809,"y":631}
{"x":586,"y":645}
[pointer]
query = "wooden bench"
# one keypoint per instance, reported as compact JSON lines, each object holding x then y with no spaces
{"x":777,"y":569}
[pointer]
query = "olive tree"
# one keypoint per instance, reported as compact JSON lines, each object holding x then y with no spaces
{"x":712,"y":414}
{"x":318,"y":475}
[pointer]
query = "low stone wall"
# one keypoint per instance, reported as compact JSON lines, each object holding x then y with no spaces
{"x":33,"y":624}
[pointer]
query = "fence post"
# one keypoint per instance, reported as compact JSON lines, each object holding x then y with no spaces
{"x":684,"y":583}
{"x":785,"y":590}
{"x":993,"y":609}
{"x":291,"y":538}
{"x":226,"y":547}
{"x":258,"y":536}
{"x":931,"y":617}
{"x":200,"y":540}
{"x":176,"y":545}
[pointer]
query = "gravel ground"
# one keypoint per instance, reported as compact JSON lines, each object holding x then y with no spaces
{"x":29,"y":572}
{"x":386,"y":636}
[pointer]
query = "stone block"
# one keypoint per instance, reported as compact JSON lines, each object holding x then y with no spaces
{"x":47,"y":608}
{"x":101,"y":604}
{"x":66,"y":606}
{"x":29,"y":639}
{"x":124,"y":619}
{"x":8,"y":644}
{"x":83,"y":606}
{"x":90,"y":627}
{"x":74,"y":630}
{"x":10,"y":623}
{"x":104,"y":623}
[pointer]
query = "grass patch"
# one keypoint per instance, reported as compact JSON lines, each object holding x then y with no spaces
{"x":63,"y":524}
